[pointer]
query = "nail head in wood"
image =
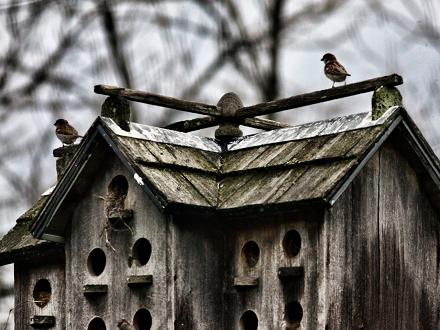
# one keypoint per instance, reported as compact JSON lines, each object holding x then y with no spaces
{"x":227,"y":106}
{"x":384,"y":98}
{"x":118,"y":109}
{"x":139,"y":280}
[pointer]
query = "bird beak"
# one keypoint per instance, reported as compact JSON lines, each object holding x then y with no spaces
{"x":322,"y":59}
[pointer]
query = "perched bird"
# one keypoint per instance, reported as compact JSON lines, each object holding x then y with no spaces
{"x":65,"y":132}
{"x":333,"y":69}
{"x":124,"y":325}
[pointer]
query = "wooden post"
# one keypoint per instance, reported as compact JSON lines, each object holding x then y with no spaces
{"x":384,"y":98}
{"x":228,"y":106}
{"x":64,"y":155}
{"x":118,"y":109}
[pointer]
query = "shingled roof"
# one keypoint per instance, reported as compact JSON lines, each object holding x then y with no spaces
{"x":293,"y":165}
{"x":308,"y":164}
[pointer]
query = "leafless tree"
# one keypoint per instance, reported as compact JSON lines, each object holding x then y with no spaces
{"x":53,"y":52}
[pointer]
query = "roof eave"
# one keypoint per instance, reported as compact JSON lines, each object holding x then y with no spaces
{"x":98,"y":128}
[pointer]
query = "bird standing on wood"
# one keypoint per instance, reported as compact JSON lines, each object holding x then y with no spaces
{"x":65,"y":132}
{"x":333,"y":69}
{"x":124,"y":325}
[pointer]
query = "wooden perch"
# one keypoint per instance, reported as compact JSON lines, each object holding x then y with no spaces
{"x":159,"y":100}
{"x":245,"y":115}
{"x":318,"y":97}
{"x":206,"y":122}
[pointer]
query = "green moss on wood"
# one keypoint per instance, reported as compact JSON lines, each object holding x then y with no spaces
{"x":384,"y":98}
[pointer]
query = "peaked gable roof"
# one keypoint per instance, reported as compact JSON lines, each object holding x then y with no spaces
{"x":302,"y":165}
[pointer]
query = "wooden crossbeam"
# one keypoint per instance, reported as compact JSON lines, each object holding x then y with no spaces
{"x":159,"y":100}
{"x":245,"y":115}
{"x":205,"y":122}
{"x":318,"y":97}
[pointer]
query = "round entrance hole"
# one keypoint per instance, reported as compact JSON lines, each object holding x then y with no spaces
{"x":142,"y":319}
{"x":249,"y":321}
{"x":292,"y":243}
{"x":251,"y":253}
{"x":96,"y":262}
{"x":96,"y":324}
{"x":42,"y":292}
{"x":141,"y":251}
{"x":293,"y":313}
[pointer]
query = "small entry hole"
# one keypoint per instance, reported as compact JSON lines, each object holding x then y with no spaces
{"x":116,"y":193}
{"x":142,"y":319}
{"x":96,"y":262}
{"x":96,"y":324}
{"x":249,"y":321}
{"x":292,"y":243}
{"x":251,"y":253}
{"x":42,"y":292}
{"x":293,"y":313}
{"x":141,"y":251}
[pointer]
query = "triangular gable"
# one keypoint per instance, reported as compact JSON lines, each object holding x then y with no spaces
{"x":195,"y":176}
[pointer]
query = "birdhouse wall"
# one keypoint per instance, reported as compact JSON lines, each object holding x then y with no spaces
{"x":379,"y":251}
{"x":210,"y":261}
{"x":270,"y":299}
{"x":87,"y":232}
{"x":30,"y":285}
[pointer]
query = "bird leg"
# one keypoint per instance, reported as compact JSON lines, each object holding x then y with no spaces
{"x":333,"y":84}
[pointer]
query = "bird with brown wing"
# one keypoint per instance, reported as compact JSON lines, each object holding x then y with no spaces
{"x":333,"y":69}
{"x":66,"y":133}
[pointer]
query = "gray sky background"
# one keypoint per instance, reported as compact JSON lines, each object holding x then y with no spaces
{"x":371,"y":39}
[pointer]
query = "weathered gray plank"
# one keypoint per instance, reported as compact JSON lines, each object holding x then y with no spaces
{"x":159,"y":100}
{"x":319,"y":128}
{"x":178,"y":189}
{"x":319,"y":96}
{"x":146,"y":152}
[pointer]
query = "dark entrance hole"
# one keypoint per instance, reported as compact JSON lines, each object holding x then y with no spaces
{"x":251,"y":253}
{"x":96,"y":262}
{"x":249,"y":321}
{"x":292,"y":243}
{"x":141,"y":251}
{"x":293,"y":313}
{"x":142,"y":319}
{"x":42,"y":292}
{"x":96,"y":324}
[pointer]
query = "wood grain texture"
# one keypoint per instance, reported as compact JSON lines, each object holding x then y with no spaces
{"x":86,"y":233}
{"x":26,"y":275}
{"x":379,"y":251}
{"x":159,"y":100}
{"x":318,"y":97}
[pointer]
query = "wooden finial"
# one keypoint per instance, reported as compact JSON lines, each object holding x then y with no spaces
{"x":384,"y":98}
{"x":228,"y":106}
{"x":118,"y":109}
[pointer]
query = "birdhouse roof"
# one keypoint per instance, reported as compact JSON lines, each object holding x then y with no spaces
{"x":305,"y":165}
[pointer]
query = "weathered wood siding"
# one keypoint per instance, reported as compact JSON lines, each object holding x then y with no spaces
{"x":207,"y":256}
{"x":27,"y":274}
{"x":86,"y":234}
{"x":380,"y":251}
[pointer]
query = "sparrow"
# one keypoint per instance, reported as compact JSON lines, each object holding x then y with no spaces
{"x":124,"y":325}
{"x":333,"y":69}
{"x":65,"y":132}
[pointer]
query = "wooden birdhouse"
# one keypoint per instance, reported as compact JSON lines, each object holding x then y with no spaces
{"x":328,"y":225}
